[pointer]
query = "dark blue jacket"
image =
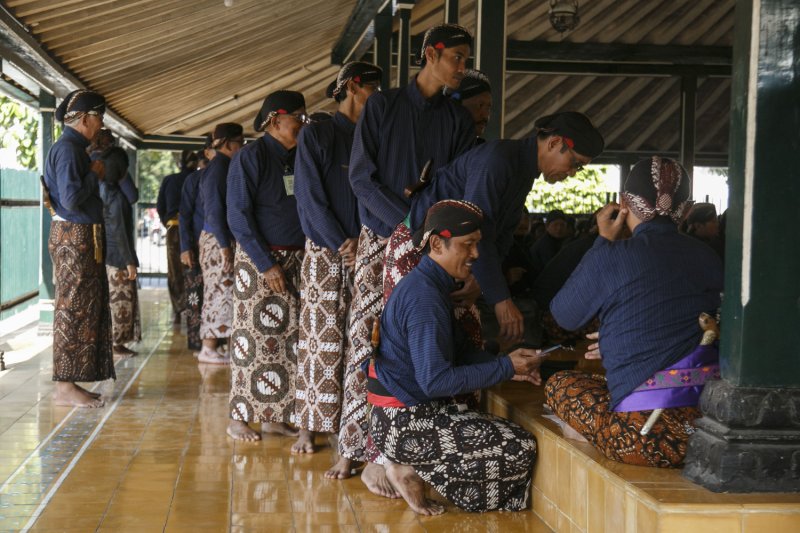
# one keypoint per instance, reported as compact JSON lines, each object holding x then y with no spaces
{"x":214,"y":193}
{"x":74,"y":191}
{"x":118,"y":218}
{"x":262,"y":209}
{"x":325,"y":202}
{"x":397,"y":133}
{"x":169,"y":195}
{"x":191,"y":215}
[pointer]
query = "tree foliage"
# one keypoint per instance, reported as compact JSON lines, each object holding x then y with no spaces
{"x":19,"y":130}
{"x":153,"y":165}
{"x":583,"y":193}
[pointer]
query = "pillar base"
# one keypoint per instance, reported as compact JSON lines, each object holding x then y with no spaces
{"x":747,"y":441}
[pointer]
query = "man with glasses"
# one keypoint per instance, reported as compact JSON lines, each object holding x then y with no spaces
{"x":216,"y":245}
{"x":262,"y":213}
{"x":82,"y":319}
{"x":329,"y":216}
{"x":497,"y":177}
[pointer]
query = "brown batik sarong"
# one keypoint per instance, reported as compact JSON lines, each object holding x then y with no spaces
{"x":264,"y":341}
{"x":217,"y":314}
{"x":327,"y":287}
{"x":193,"y":288}
{"x":123,"y":297}
{"x":82,"y":319}
{"x":365,"y":309}
{"x":174,"y":268}
{"x":401,"y":258}
{"x":582,"y":400}
{"x":478,"y":461}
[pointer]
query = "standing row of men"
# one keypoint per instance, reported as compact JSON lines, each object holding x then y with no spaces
{"x":292,"y":252}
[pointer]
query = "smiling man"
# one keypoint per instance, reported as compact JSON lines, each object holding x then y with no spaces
{"x":477,"y":461}
{"x":399,"y":132}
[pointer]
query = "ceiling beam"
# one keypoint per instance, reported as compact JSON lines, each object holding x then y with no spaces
{"x":354,"y":31}
{"x":620,"y":53}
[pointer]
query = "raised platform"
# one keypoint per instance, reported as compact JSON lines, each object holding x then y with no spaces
{"x":578,"y":490}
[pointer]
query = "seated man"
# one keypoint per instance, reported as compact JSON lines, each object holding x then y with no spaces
{"x":648,"y":291}
{"x":476,"y":460}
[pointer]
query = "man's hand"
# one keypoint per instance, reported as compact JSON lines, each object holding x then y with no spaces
{"x":514,"y":274}
{"x":227,"y":260}
{"x":526,"y":365}
{"x":187,"y":258}
{"x":348,"y":252}
{"x":276,"y":279}
{"x":467,"y":294}
{"x":99,"y":168}
{"x":131,"y":272}
{"x":594,"y":349}
{"x":510,"y":320}
{"x":612,"y":229}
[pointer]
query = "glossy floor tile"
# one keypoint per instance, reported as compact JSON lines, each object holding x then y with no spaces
{"x":157,"y":458}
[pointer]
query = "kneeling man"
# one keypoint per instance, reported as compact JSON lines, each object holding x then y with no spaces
{"x":476,"y":460}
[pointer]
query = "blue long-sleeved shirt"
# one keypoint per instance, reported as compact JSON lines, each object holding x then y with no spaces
{"x":325,"y":202}
{"x":214,"y":192}
{"x":126,"y":185}
{"x":118,"y":220}
{"x":418,"y":353}
{"x":397,"y":133}
{"x":261,"y":212}
{"x":74,"y":191}
{"x":169,"y":195}
{"x":496,"y":176}
{"x":649,"y":291}
{"x":191,"y":215}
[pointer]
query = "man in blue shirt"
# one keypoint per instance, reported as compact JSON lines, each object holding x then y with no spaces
{"x":167,"y":204}
{"x":475,"y":94}
{"x":648,"y":290}
{"x":82,"y":318}
{"x":478,"y":461}
{"x":398,"y":133}
{"x":262,"y":213}
{"x":329,"y":216}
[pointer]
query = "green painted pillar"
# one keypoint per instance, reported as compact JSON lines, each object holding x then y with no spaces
{"x":490,"y":58}
{"x":749,"y":438}
{"x":47,"y":107}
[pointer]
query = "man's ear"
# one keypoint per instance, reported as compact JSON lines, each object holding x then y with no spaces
{"x":435,"y":242}
{"x":430,"y":54}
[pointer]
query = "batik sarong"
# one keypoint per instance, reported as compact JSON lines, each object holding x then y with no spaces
{"x":401,"y":258}
{"x":365,"y":309}
{"x":82,"y":318}
{"x":327,"y":286}
{"x":193,"y":288}
{"x":264,"y":341}
{"x":174,"y":268}
{"x":123,"y":297}
{"x":582,"y":400}
{"x":217,"y":314}
{"x":476,"y":460}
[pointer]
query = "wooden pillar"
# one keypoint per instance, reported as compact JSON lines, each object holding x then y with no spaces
{"x":383,"y":44}
{"x":403,"y":9}
{"x":451,"y":11}
{"x":688,"y":111}
{"x":749,"y":437}
{"x":47,"y":107}
{"x":490,"y":56}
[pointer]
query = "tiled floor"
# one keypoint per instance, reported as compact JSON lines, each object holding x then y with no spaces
{"x":156,"y":458}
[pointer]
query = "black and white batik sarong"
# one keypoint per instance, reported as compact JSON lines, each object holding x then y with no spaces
{"x":476,"y":460}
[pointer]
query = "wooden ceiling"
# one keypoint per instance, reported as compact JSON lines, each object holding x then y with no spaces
{"x":173,"y":67}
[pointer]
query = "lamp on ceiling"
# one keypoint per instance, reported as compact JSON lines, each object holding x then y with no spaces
{"x":228,"y":3}
{"x":564,"y":15}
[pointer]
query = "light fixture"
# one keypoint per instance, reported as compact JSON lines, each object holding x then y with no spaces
{"x":564,"y":15}
{"x":228,"y":3}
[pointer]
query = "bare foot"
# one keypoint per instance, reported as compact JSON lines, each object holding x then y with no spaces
{"x":305,"y":442}
{"x":90,"y":393}
{"x":280,"y":428}
{"x":212,"y":357}
{"x":412,"y":489}
{"x":122,"y":350}
{"x":343,"y":469}
{"x":374,"y":477}
{"x":238,"y":430}
{"x":71,"y":395}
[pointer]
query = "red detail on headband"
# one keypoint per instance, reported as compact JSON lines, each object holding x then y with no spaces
{"x":569,"y":142}
{"x":445,"y":233}
{"x":439,"y":45}
{"x":357,"y":79}
{"x":281,"y":111}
